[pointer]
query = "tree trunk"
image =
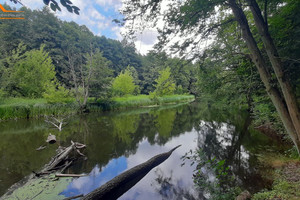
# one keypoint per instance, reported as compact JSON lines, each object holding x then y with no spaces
{"x":277,"y":65}
{"x":265,"y":75}
{"x":116,"y":187}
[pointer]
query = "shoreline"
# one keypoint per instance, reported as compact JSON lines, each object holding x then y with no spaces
{"x":37,"y":108}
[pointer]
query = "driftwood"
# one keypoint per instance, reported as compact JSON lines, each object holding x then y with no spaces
{"x":62,"y":160}
{"x":57,"y":123}
{"x":123,"y":182}
{"x":41,"y":148}
{"x":70,"y":175}
{"x":74,"y":197}
{"x":51,"y":139}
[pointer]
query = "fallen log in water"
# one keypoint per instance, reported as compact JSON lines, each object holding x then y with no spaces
{"x":62,"y":160}
{"x":74,"y":197}
{"x":123,"y":182}
{"x":70,"y":175}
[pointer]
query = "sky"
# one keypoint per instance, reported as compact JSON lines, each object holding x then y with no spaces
{"x":97,"y":15}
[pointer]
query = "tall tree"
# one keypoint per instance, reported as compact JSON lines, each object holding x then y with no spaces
{"x":198,"y":19}
{"x":85,"y":71}
{"x":29,"y":74}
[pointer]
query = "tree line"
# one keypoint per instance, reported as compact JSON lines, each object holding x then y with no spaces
{"x":255,"y":53}
{"x":44,"y":57}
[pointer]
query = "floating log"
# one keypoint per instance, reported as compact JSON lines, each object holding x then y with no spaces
{"x":74,"y":197}
{"x":70,"y":175}
{"x":41,"y":148}
{"x":116,"y":187}
{"x":62,"y":160}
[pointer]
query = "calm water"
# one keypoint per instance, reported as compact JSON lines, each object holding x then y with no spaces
{"x":117,"y":141}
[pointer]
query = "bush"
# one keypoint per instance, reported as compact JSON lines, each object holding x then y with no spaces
{"x":56,"y":95}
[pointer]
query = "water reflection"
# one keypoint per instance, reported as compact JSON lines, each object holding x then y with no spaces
{"x":117,"y":141}
{"x":96,"y":178}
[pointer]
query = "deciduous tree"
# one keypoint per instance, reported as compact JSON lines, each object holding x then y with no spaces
{"x":196,"y":20}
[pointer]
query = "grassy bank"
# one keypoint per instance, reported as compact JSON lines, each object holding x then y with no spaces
{"x":145,"y":100}
{"x":13,"y":108}
{"x":29,"y":108}
{"x":284,"y":171}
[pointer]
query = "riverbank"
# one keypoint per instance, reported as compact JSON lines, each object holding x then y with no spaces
{"x":14,"y":108}
{"x":283,"y":170}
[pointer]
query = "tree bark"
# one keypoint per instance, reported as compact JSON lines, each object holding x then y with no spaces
{"x":265,"y":75}
{"x":277,"y":65}
{"x":116,"y":187}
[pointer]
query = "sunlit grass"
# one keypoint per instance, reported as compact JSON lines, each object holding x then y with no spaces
{"x":145,"y":100}
{"x":29,"y":108}
{"x":13,"y":108}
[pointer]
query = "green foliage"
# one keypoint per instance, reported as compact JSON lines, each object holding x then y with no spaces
{"x":164,"y":83}
{"x":146,"y":100}
{"x":28,"y":75}
{"x":13,"y":108}
{"x":60,"y":36}
{"x":56,"y":94}
{"x":100,"y":82}
{"x":123,"y":84}
{"x":282,"y":189}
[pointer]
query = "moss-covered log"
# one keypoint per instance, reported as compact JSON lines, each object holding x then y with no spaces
{"x":123,"y":182}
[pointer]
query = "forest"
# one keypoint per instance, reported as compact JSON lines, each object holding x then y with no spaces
{"x":250,"y":61}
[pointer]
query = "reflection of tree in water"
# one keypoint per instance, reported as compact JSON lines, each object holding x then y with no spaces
{"x":124,"y":127}
{"x":223,"y":141}
{"x":171,"y":189}
{"x":164,"y":121}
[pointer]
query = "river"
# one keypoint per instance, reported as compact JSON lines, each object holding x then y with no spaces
{"x":117,"y":141}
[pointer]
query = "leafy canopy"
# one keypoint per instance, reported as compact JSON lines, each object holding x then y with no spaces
{"x":29,"y":74}
{"x":164,"y":83}
{"x":124,"y":84}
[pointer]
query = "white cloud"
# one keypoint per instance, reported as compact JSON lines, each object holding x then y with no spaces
{"x":95,"y":14}
{"x":33,"y":4}
{"x":116,"y":4}
{"x":145,"y":41}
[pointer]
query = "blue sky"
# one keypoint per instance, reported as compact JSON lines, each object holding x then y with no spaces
{"x":97,"y":15}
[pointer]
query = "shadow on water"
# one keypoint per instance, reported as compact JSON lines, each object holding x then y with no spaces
{"x":117,"y":141}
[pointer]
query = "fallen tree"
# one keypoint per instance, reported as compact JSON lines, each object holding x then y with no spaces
{"x":44,"y":184}
{"x":62,"y":160}
{"x":123,"y":182}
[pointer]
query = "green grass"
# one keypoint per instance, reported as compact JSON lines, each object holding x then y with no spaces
{"x":13,"y":108}
{"x":145,"y":100}
{"x":283,"y":170}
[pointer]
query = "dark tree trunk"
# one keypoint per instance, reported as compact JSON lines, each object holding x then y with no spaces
{"x":277,"y":65}
{"x":273,"y":92}
{"x":116,"y":187}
